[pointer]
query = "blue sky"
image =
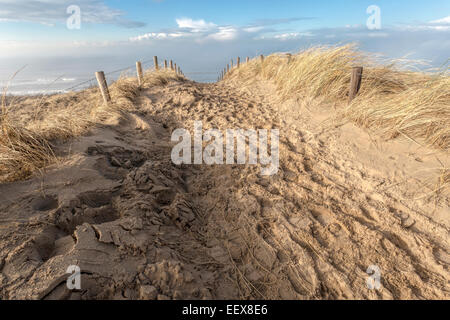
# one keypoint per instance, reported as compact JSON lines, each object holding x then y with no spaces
{"x":153,"y":15}
{"x":212,"y":31}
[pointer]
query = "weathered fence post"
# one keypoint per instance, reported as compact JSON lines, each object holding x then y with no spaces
{"x":171,"y":65}
{"x":165,"y":64}
{"x":179,"y":70}
{"x":262,"y":58}
{"x":247,"y":60}
{"x":140,"y":74}
{"x":355,"y":82}
{"x":238,"y":63}
{"x":175,"y":68}
{"x":289,"y":56}
{"x":228,"y":68}
{"x":100,"y":75}
{"x":155,"y":61}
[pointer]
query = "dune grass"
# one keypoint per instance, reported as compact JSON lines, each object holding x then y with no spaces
{"x":392,"y":101}
{"x":31,"y":127}
{"x":398,"y":102}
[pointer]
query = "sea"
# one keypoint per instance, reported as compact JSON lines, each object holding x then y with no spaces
{"x":44,"y":75}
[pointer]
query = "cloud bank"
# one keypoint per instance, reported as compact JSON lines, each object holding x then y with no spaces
{"x":200,"y":45}
{"x":426,"y":40}
{"x":51,"y":12}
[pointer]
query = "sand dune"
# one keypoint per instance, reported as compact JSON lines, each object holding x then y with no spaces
{"x":140,"y":227}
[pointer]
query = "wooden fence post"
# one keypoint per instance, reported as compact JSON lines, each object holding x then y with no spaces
{"x":155,"y":61}
{"x":140,"y":74}
{"x":175,"y":67}
{"x":228,"y":68}
{"x":179,"y":70}
{"x":231,"y":64}
{"x":165,"y":64}
{"x":238,"y":62}
{"x":289,"y":57}
{"x":247,"y":60}
{"x":355,"y":82}
{"x":262,"y":58}
{"x":171,"y":65}
{"x":100,"y":75}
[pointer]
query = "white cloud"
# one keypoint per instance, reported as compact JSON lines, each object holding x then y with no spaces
{"x":224,"y":33}
{"x":159,"y":36}
{"x":445,"y":20}
{"x":90,"y":44}
{"x":253,"y":29}
{"x":195,"y":25}
{"x":200,"y":30}
{"x":286,"y":36}
{"x":435,"y":25}
{"x":424,"y":27}
{"x":152,"y":35}
{"x":377,"y":34}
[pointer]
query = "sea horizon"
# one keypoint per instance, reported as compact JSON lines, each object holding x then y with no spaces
{"x":52,"y":75}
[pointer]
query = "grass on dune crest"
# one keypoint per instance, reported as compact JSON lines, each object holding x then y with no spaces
{"x":31,"y":126}
{"x":392,"y":101}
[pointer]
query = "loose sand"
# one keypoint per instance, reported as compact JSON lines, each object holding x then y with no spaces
{"x":140,"y":227}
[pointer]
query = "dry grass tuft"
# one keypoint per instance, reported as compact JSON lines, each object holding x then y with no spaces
{"x":22,"y":152}
{"x":418,"y":111}
{"x":161,"y":78}
{"x":32,"y":126}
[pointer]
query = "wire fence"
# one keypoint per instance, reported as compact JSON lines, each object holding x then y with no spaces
{"x":89,"y":82}
{"x":201,"y":76}
{"x":92,"y":81}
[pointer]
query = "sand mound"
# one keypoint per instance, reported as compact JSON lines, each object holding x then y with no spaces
{"x":140,"y":227}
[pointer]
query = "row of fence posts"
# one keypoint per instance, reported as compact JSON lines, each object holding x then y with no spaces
{"x":227,"y":69}
{"x":103,"y":85}
{"x":355,"y":79}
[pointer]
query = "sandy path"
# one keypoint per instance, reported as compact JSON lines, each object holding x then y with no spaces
{"x":140,"y":227}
